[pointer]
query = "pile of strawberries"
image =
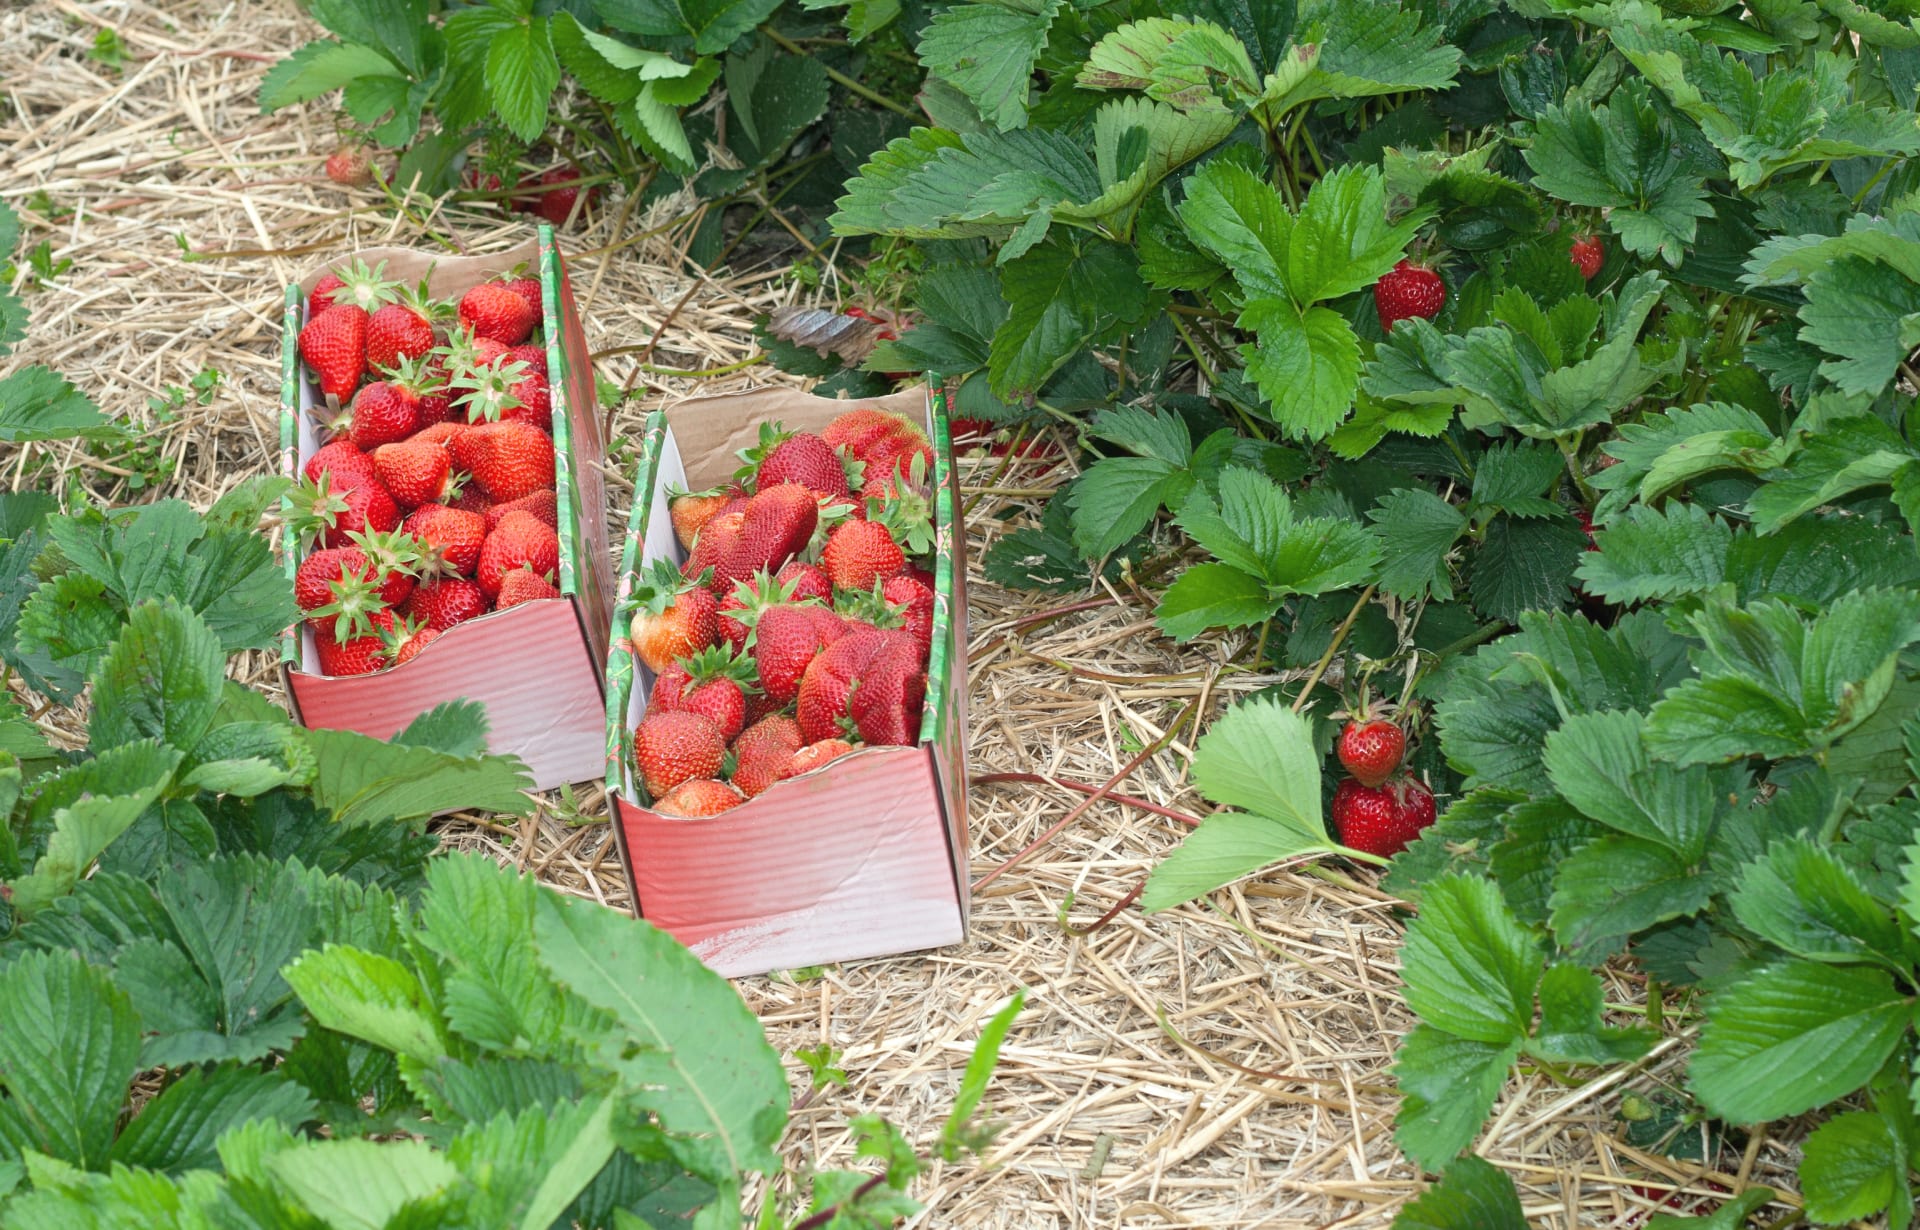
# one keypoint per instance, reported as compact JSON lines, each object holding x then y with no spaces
{"x":432,"y":501}
{"x":799,"y":627}
{"x":1375,"y":811}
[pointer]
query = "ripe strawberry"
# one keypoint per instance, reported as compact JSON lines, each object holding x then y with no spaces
{"x":774,"y":730}
{"x":1408,"y":290}
{"x":471,"y":498}
{"x":760,"y":706}
{"x":672,"y":746}
{"x":382,"y":413}
{"x":692,"y":510}
{"x":883,"y":442}
{"x":365,"y":288}
{"x":556,"y":203}
{"x":809,"y":583}
{"x":800,"y":457}
{"x":334,"y":515}
{"x":362,"y":655}
{"x":775,"y":526}
{"x":320,"y":298}
{"x":740,"y":610}
{"x":915,"y":602}
{"x":673,"y":617}
{"x":449,"y":539}
{"x":490,"y":393}
{"x":414,"y":473}
{"x":861,"y":553}
{"x":442,"y":604}
{"x":534,"y":396}
{"x":1587,"y":253}
{"x":521,"y":585}
{"x":669,"y":686}
{"x":698,"y":799}
{"x":508,"y":460}
{"x":529,"y":291}
{"x":1371,"y":750}
{"x":342,"y":459}
{"x":544,"y":504}
{"x":350,"y":583}
{"x":520,"y":540}
{"x":439,"y":433}
{"x":414,"y":642}
{"x":785,"y":642}
{"x":533,"y":354}
{"x":397,"y":331}
{"x":1381,"y":820}
{"x":719,"y":682}
{"x":716,"y":542}
{"x":350,"y":167}
{"x":492,"y":310}
{"x":430,"y":380}
{"x":869,"y":682}
{"x":334,"y":344}
{"x":815,"y":756}
{"x":758,"y":767}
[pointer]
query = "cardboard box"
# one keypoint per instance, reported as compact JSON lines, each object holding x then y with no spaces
{"x":866,"y":857}
{"x":538,"y":667}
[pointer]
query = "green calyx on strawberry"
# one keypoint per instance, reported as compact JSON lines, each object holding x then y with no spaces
{"x":485,"y":392}
{"x":783,"y":456}
{"x":740,"y":610}
{"x":329,"y":515}
{"x":674,"y":617}
{"x":386,"y":568}
{"x":367,"y":289}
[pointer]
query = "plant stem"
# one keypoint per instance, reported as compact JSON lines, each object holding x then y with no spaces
{"x":838,"y":78}
{"x":1326,"y":659}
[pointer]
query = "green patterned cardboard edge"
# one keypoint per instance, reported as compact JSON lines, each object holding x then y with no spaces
{"x":619,"y":646}
{"x":945,"y":517}
{"x":553,"y":326}
{"x":289,"y":445}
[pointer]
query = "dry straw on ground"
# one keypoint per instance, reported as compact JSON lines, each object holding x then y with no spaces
{"x":1222,"y":1065}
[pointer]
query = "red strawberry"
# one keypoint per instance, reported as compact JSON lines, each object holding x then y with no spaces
{"x":533,"y":355}
{"x":442,"y":604}
{"x":342,"y":459}
{"x":397,"y":332}
{"x":694,"y":509}
{"x":494,"y":311}
{"x":1381,"y":820}
{"x":350,"y":167}
{"x":1587,"y":253}
{"x":414,"y":473}
{"x":439,"y":433}
{"x":543,"y":504}
{"x":415,"y":641}
{"x":534,"y":396}
{"x":716,"y":542}
{"x":1371,"y":750}
{"x":471,"y":498}
{"x":883,"y":442}
{"x":529,"y":291}
{"x":871,"y":683}
{"x":672,"y":747}
{"x":556,"y":203}
{"x":775,"y":526}
{"x":431,"y":382}
{"x":717,"y":692}
{"x":669,"y":686}
{"x":816,"y":755}
{"x":350,"y":583}
{"x":774,"y":730}
{"x":916,"y":609}
{"x":1408,"y":290}
{"x":757,"y":768}
{"x":361,"y":655}
{"x":521,"y":585}
{"x":785,"y":642}
{"x":320,"y":298}
{"x":509,"y":460}
{"x":382,"y":413}
{"x":740,"y":610}
{"x":519,"y":541}
{"x":673,"y":617}
{"x":795,"y":457}
{"x":487,"y":352}
{"x":449,"y":539}
{"x":698,"y":799}
{"x":334,"y":344}
{"x":859,"y":553}
{"x":365,"y":288}
{"x":335,"y":515}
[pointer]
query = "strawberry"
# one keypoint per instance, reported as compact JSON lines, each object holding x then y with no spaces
{"x":520,"y":540}
{"x":382,"y":413}
{"x":414,"y":473}
{"x":774,"y":730}
{"x":760,"y":706}
{"x":489,"y":393}
{"x":869,"y":682}
{"x":921,"y":575}
{"x":809,"y":583}
{"x":508,"y":460}
{"x":334,"y":344}
{"x":521,"y":585}
{"x":471,"y":498}
{"x":816,"y":755}
{"x":775,"y":526}
{"x":915,"y":603}
{"x":350,"y":167}
{"x":692,"y":510}
{"x":860,"y":554}
{"x":449,"y":539}
{"x":442,"y":604}
{"x":335,"y":515}
{"x":533,"y":354}
{"x":1408,"y":290}
{"x":350,"y":583}
{"x":529,"y":291}
{"x":785,"y":642}
{"x":716,"y":542}
{"x":1371,"y":749}
{"x":669,"y":686}
{"x":362,"y":655}
{"x":414,"y":641}
{"x":543,"y":504}
{"x":673,"y":617}
{"x":534,"y":396}
{"x":398,"y":331}
{"x":555,"y":204}
{"x":320,"y":298}
{"x":882,"y":441}
{"x":431,"y":382}
{"x":672,"y":747}
{"x":342,"y":459}
{"x":719,"y":682}
{"x":494,"y":311}
{"x":740,"y":610}
{"x":439,"y":433}
{"x":801,"y":457}
{"x":1382,"y":819}
{"x":1587,"y":253}
{"x":698,"y":799}
{"x":365,"y":288}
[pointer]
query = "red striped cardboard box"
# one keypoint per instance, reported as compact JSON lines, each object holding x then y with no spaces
{"x":537,"y":667}
{"x":865,"y":857}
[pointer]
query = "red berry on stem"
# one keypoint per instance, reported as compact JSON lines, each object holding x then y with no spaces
{"x":1408,"y":290}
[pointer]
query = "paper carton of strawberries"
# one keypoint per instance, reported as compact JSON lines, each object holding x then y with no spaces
{"x":442,"y":536}
{"x":784,"y":708}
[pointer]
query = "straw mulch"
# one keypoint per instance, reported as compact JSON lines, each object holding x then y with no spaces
{"x":1222,"y":1065}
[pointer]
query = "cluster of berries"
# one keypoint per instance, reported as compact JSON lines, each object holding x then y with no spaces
{"x":800,"y":625}
{"x":550,"y":195}
{"x":433,"y":500}
{"x":1412,"y":288}
{"x":1374,"y":811}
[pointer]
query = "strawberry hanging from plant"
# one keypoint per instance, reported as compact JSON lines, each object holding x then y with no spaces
{"x":1406,"y":290}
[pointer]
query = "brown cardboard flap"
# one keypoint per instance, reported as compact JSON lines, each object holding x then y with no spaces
{"x":710,"y":443}
{"x":445,"y":274}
